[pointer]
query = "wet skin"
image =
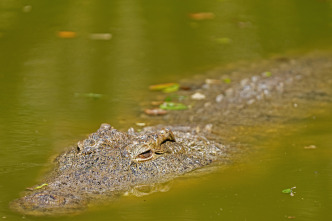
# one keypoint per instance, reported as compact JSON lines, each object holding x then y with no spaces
{"x":110,"y":162}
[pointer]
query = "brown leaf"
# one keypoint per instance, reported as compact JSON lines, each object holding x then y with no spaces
{"x":199,"y":16}
{"x":66,"y":34}
{"x":155,"y":111}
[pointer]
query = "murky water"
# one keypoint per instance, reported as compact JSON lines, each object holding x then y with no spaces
{"x":52,"y":56}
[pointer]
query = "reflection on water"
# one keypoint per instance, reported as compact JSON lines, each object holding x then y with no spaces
{"x":250,"y":190}
{"x":152,"y":42}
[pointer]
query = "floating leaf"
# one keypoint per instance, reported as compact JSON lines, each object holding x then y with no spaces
{"x":173,"y":106}
{"x":159,"y":87}
{"x":185,"y":88}
{"x":227,"y":80}
{"x":267,"y":74}
{"x":66,"y":34}
{"x":212,"y":81}
{"x":288,"y":191}
{"x":199,"y":16}
{"x":41,"y":186}
{"x":155,"y":111}
{"x":171,"y":89}
{"x":156,"y":103}
{"x":310,"y":147}
{"x":93,"y":95}
{"x":100,"y":36}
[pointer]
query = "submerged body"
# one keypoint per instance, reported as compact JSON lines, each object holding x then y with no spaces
{"x":109,"y":162}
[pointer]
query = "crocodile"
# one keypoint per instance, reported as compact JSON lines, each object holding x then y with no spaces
{"x":110,"y":163}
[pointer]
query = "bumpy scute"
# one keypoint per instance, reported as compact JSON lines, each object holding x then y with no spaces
{"x":110,"y":162}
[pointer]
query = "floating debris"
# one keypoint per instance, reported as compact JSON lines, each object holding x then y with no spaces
{"x":198,"y":96}
{"x":289,"y":191}
{"x":227,"y":80}
{"x":155,"y":111}
{"x":173,"y":106}
{"x":41,"y":186}
{"x":158,"y":87}
{"x":100,"y":36}
{"x":89,"y":95}
{"x":244,"y":24}
{"x":208,"y":128}
{"x":66,"y":34}
{"x":185,"y":88}
{"x":27,"y":8}
{"x":140,"y":124}
{"x":219,"y":98}
{"x":156,"y":103}
{"x":199,"y":16}
{"x":267,"y":74}
{"x":167,"y":87}
{"x":212,"y":81}
{"x":310,"y":147}
{"x":172,"y":88}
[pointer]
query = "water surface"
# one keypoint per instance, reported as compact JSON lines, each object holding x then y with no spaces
{"x":44,"y":79}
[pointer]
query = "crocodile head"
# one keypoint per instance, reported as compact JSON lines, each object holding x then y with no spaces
{"x":109,"y":163}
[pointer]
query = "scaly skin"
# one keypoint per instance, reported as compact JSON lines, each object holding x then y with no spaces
{"x":110,"y":162}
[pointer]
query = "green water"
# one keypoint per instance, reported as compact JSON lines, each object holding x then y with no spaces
{"x":44,"y":79}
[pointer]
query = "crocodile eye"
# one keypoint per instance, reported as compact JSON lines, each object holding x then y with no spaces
{"x":147,"y":155}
